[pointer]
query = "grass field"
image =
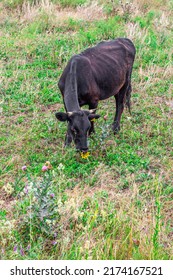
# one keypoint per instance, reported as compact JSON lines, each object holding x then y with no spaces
{"x":118,"y":203}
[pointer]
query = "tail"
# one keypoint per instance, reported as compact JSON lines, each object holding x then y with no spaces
{"x":128,"y":98}
{"x":128,"y":91}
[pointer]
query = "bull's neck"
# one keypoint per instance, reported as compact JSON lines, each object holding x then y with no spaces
{"x":70,"y":94}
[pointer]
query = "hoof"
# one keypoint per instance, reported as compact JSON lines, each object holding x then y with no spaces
{"x":116,"y":129}
{"x":67,"y":144}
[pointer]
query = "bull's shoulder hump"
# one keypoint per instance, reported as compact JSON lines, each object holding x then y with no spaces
{"x":119,"y":42}
{"x":79,"y":61}
{"x":78,"y":57}
{"x":127,"y":43}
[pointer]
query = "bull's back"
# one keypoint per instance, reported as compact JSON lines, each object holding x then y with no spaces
{"x":110,"y":62}
{"x":101,"y":69}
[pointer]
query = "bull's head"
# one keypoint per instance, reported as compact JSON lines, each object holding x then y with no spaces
{"x":79,"y":126}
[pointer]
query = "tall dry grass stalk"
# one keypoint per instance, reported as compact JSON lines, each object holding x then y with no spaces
{"x":90,"y":11}
{"x":134,"y":31}
{"x":31,"y":10}
{"x":144,"y":5}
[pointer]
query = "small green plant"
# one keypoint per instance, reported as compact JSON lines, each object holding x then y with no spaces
{"x":69,"y":3}
{"x":38,"y":208}
{"x":111,"y":7}
{"x":3,"y":214}
{"x":127,"y":9}
{"x":157,"y":227}
{"x":12,"y":4}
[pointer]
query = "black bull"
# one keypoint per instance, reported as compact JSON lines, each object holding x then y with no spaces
{"x":95,"y":74}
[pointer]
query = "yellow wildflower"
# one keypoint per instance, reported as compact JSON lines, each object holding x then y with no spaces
{"x":85,"y":155}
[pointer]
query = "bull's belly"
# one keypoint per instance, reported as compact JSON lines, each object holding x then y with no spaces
{"x":106,"y":94}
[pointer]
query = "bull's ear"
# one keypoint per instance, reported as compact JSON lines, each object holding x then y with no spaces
{"x":93,"y":116}
{"x":62,"y":117}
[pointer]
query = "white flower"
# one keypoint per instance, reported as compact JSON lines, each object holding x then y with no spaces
{"x":48,"y":222}
{"x":8,"y":188}
{"x":61,"y":166}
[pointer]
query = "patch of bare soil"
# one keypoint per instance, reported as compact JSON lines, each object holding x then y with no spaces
{"x":51,"y":108}
{"x":40,"y":108}
{"x":7,"y":203}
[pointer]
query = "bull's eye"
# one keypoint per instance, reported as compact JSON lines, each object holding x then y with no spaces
{"x":74,"y":131}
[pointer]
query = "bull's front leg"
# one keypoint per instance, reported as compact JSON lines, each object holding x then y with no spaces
{"x":69,"y":136}
{"x":92,"y":106}
{"x":91,"y":130}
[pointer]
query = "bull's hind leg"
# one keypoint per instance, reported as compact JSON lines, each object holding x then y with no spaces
{"x":121,"y":98}
{"x":120,"y":101}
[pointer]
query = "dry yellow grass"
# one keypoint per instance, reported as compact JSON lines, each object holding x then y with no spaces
{"x":89,"y":12}
{"x":142,"y":220}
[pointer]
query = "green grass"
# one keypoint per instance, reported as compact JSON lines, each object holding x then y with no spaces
{"x":117,"y":204}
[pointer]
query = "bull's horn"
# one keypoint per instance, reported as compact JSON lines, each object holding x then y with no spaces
{"x":92,"y":110}
{"x":69,"y":114}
